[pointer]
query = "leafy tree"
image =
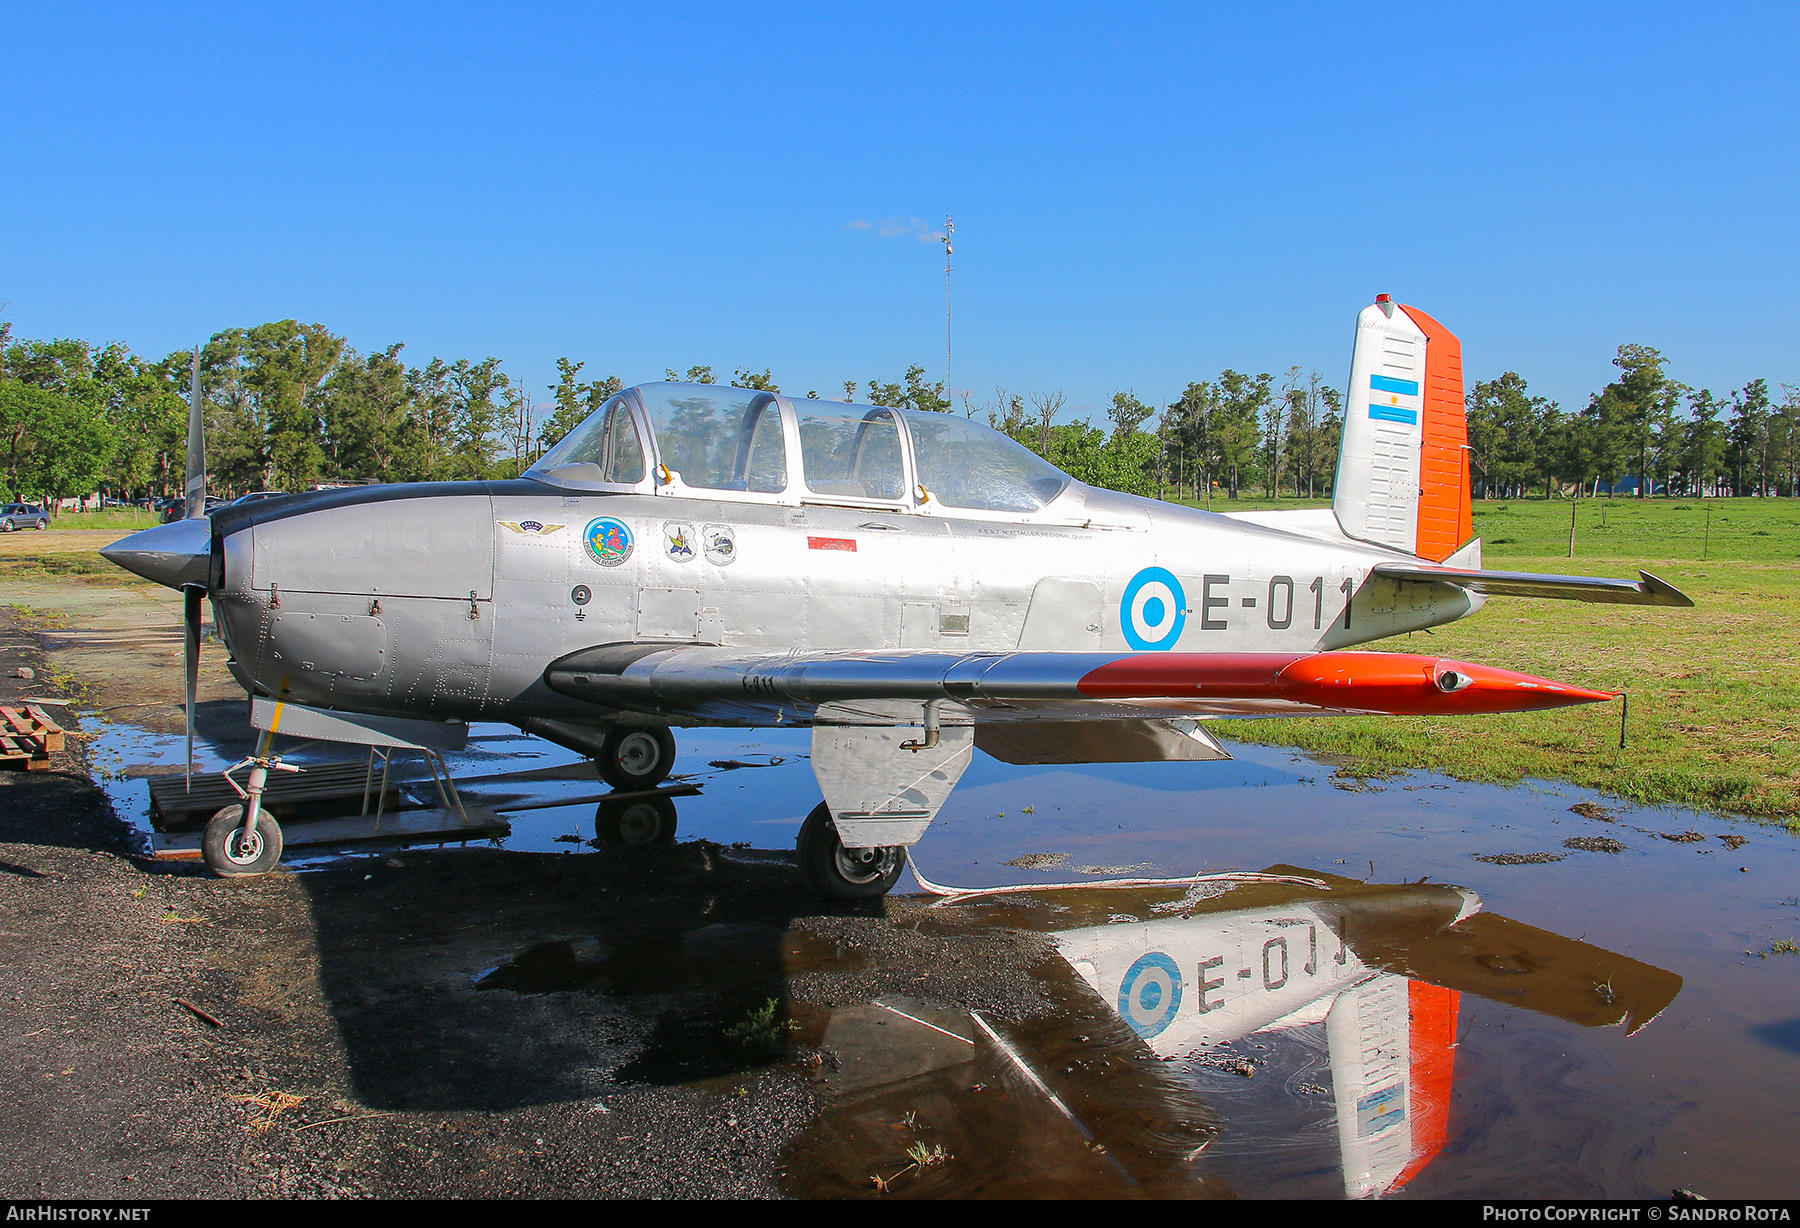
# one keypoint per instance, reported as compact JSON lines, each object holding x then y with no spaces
{"x":478,"y":389}
{"x":912,"y":393}
{"x":753,"y":379}
{"x":1127,"y":414}
{"x":365,"y":412}
{"x":1507,"y":428}
{"x":285,"y":364}
{"x":1242,"y":399}
{"x":1747,"y":451}
{"x":574,"y":401}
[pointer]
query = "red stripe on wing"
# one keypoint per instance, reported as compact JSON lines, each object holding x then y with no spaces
{"x":1389,"y":682}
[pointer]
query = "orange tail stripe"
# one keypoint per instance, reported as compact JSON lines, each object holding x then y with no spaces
{"x":1446,"y":518}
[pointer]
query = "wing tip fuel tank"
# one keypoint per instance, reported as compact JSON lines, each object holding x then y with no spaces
{"x":1400,"y":684}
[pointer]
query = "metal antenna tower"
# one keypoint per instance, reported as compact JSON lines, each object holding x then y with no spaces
{"x":949,"y":250}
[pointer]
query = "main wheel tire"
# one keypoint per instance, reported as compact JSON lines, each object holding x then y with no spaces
{"x":840,"y":873}
{"x":636,"y":820}
{"x":230,"y":853}
{"x":43,"y":524}
{"x":636,"y":756}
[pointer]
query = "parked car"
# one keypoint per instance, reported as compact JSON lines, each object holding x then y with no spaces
{"x":177,"y":508}
{"x":257,"y":496}
{"x":16,"y":516}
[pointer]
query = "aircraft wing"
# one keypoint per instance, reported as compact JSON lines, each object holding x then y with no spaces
{"x":734,"y":685}
{"x":1647,"y":590}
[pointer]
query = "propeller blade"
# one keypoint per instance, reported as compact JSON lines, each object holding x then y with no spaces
{"x":196,"y":446}
{"x":192,"y":595}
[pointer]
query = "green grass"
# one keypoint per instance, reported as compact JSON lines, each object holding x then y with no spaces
{"x":1694,"y":530}
{"x":1714,"y":690}
{"x":124,"y":519}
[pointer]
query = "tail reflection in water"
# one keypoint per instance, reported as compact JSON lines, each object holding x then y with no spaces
{"x":1089,"y":1102}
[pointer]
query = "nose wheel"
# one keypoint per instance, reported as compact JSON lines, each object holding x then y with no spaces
{"x":231,"y":850}
{"x":840,"y":873}
{"x":636,"y":756}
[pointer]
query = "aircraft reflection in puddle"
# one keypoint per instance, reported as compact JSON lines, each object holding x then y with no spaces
{"x":1089,"y":1099}
{"x":1382,"y":968}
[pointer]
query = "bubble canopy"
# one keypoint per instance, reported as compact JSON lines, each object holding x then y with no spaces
{"x":747,"y":442}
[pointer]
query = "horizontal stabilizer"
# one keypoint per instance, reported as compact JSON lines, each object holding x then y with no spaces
{"x":1648,"y":590}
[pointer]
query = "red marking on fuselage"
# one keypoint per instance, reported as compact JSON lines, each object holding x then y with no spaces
{"x":831,"y":543}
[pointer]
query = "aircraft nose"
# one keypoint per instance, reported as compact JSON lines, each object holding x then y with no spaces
{"x":174,"y":554}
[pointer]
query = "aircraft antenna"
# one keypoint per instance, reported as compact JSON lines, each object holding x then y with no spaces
{"x":949,"y":250}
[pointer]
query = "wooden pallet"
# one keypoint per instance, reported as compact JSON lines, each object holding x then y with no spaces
{"x":27,"y":736}
{"x":172,"y":802}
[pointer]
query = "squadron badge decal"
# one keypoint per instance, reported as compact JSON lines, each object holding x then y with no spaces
{"x":608,"y":541}
{"x":678,"y":541}
{"x":719,"y":541}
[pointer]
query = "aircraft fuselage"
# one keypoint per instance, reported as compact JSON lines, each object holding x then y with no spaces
{"x":448,"y":601}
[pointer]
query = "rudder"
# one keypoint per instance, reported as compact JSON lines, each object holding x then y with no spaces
{"x":1403,"y":465}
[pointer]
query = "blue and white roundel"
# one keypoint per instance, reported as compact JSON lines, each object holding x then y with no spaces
{"x":1150,"y":994}
{"x":1153,"y":611}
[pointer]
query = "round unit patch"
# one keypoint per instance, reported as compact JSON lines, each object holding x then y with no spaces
{"x":1153,"y":611}
{"x":608,"y":541}
{"x":1150,"y":994}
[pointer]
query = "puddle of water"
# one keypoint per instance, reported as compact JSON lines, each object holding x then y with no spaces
{"x":1555,"y":1086}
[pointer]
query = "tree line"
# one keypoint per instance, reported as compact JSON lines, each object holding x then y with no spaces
{"x":290,"y":405}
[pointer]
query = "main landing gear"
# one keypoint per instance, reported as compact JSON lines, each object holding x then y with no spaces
{"x":840,"y":873}
{"x":636,"y":756}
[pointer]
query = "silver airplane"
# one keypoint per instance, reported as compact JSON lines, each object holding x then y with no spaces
{"x":911,"y":586}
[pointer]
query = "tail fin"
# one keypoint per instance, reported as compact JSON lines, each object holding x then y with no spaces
{"x":1403,"y":467}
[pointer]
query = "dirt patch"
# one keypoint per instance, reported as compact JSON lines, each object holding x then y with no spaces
{"x":1683,"y":837}
{"x":1519,"y":859}
{"x":1593,"y":810}
{"x":332,"y":1034}
{"x":1594,"y":844}
{"x":1037,"y":861}
{"x":1735,"y":841}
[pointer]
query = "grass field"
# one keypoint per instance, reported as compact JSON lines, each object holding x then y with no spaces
{"x":1715,"y":690}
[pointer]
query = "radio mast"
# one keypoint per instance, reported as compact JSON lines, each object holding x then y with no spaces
{"x":949,"y":250}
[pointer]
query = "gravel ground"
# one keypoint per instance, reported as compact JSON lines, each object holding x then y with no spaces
{"x":458,"y":1023}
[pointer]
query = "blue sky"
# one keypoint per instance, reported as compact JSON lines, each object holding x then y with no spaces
{"x":1143,"y":193}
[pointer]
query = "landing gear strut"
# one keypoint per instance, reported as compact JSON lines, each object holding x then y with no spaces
{"x":636,"y":756}
{"x":244,"y":840}
{"x":840,"y":873}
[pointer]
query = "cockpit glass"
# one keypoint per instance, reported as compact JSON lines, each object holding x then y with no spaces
{"x":718,"y":438}
{"x":966,"y":465}
{"x":604,"y":448}
{"x":850,"y":450}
